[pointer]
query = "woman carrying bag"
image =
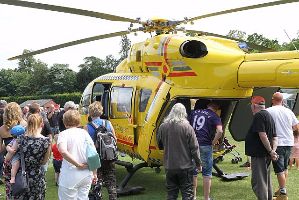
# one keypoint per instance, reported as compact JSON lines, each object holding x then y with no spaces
{"x":73,"y":144}
{"x":36,"y":149}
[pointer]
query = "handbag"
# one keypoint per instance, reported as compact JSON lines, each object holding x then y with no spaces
{"x":21,"y":184}
{"x":93,"y":159}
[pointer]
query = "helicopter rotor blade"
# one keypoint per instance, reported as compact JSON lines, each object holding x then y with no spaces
{"x":67,"y":10}
{"x":72,"y":43}
{"x":250,"y":44}
{"x":262,"y":5}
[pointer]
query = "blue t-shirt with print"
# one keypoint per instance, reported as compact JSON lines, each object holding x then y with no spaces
{"x":98,"y":122}
{"x":204,"y":122}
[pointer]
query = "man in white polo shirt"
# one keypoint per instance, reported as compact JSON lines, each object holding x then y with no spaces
{"x":285,"y":123}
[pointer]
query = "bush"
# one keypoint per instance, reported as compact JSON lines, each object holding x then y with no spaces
{"x":57,"y":98}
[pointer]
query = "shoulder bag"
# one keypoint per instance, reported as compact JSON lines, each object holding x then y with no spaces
{"x":21,"y":184}
{"x":93,"y":159}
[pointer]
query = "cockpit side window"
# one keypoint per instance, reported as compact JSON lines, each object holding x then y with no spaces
{"x":86,"y":97}
{"x":121,"y":102}
{"x":97,"y":92}
{"x":145,"y":94}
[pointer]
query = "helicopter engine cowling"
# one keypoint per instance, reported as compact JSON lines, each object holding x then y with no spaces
{"x":193,"y":49}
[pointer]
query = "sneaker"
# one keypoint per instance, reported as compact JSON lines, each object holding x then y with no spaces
{"x":246,"y":164}
{"x":282,"y":197}
{"x":276,"y":193}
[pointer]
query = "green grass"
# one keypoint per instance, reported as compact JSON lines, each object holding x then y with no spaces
{"x":155,"y":183}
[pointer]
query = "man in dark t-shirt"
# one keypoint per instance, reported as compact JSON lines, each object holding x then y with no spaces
{"x":208,"y":129}
{"x":260,"y":144}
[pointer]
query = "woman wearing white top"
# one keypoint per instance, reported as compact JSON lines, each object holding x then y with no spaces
{"x":75,"y":178}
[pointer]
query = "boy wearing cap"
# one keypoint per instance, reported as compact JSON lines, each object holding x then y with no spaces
{"x":12,"y":149}
{"x":260,"y":144}
{"x":285,"y":123}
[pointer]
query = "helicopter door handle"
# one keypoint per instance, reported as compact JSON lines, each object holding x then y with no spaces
{"x":132,"y":125}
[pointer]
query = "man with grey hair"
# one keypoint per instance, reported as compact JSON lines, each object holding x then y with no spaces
{"x":69,"y":105}
{"x":260,"y":144}
{"x":177,"y":138}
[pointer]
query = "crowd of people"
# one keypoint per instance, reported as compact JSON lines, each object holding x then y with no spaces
{"x":270,"y":139}
{"x":187,"y":141}
{"x":29,"y":132}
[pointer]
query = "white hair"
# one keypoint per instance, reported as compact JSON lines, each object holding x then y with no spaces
{"x":69,"y":104}
{"x":177,"y":114}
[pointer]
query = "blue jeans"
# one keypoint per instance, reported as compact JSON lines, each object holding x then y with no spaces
{"x":206,"y":156}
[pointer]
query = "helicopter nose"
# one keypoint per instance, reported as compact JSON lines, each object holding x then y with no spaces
{"x":193,"y":49}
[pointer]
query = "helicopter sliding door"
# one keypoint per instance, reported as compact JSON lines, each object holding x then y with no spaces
{"x":150,"y":125}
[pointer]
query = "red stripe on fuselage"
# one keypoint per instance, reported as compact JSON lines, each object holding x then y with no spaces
{"x":125,"y":142}
{"x":180,"y":74}
{"x":153,"y":63}
{"x":152,"y":147}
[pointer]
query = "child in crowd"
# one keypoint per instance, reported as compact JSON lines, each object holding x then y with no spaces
{"x":295,"y":151}
{"x":57,"y":159}
{"x":12,"y":155}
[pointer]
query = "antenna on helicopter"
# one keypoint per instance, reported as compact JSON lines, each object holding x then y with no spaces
{"x":290,"y":39}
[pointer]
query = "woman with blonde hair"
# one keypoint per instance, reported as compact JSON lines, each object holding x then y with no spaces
{"x":107,"y":171}
{"x":12,"y":116}
{"x":37,"y":150}
{"x":72,"y":144}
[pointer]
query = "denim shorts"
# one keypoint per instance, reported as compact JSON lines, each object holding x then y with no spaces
{"x":206,"y":156}
{"x":281,"y":164}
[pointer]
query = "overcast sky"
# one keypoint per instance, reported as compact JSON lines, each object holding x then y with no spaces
{"x":24,"y":28}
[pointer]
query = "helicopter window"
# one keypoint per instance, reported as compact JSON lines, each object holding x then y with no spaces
{"x":138,"y":56}
{"x":97,"y":92}
{"x":85,"y":101}
{"x":121,"y":102}
{"x":144,"y":97}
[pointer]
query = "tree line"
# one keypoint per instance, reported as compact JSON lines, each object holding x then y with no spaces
{"x":34,"y":77}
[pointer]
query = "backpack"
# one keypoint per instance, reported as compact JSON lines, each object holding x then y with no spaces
{"x":105,"y":142}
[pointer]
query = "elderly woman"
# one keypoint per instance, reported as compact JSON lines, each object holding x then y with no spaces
{"x":72,"y":146}
{"x":107,"y":170}
{"x":12,"y":116}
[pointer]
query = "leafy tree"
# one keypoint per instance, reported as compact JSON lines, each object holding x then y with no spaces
{"x":26,"y":64}
{"x":21,"y":81}
{"x":6,"y":86}
{"x":241,"y":35}
{"x":125,"y":47}
{"x":111,"y":63}
{"x":261,"y":40}
{"x":39,"y":79}
{"x":61,"y":79}
{"x":92,"y":68}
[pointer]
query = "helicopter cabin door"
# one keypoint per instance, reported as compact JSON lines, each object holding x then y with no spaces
{"x":151,"y":120}
{"x":121,"y":113}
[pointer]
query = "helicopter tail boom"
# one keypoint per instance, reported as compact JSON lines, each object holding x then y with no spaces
{"x":279,"y":69}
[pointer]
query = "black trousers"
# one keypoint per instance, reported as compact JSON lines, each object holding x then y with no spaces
{"x":179,"y":180}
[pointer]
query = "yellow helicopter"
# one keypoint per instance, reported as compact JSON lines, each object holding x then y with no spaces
{"x":168,"y":68}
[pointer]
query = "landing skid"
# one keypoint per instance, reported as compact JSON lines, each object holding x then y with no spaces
{"x":228,"y":177}
{"x":131,"y":169}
